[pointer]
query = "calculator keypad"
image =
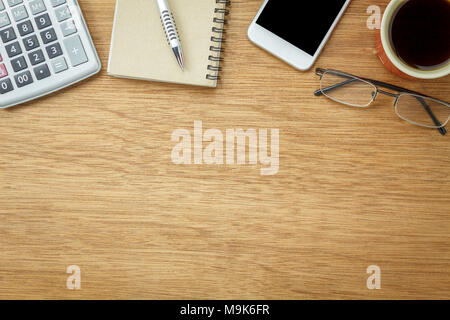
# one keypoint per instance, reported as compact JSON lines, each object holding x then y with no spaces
{"x":43,"y":21}
{"x":75,"y":50}
{"x":68,"y":28}
{"x":25,"y":28}
{"x":4,"y":19}
{"x":12,"y":3}
{"x":6,"y":86}
{"x":63,"y":13}
{"x":31,"y":42}
{"x":19,"y":13}
{"x":13,"y":49}
{"x":40,"y":38}
{"x":42,"y":72}
{"x":48,"y":36}
{"x":3,"y":72}
{"x":54,"y":50}
{"x":23,"y":79}
{"x":8,"y":35}
{"x":36,"y":57}
{"x":56,"y":3}
{"x":37,"y":6}
{"x":19,"y":64}
{"x":59,"y":65}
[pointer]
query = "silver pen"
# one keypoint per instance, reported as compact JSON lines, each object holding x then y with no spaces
{"x":171,"y":31}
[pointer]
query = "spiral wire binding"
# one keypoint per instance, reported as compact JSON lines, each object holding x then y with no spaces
{"x":216,"y":48}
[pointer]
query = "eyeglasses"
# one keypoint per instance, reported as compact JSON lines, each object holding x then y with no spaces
{"x":358,"y":92}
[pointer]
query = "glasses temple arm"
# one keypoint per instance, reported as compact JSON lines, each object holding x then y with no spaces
{"x":395,"y":88}
{"x":330,"y":88}
{"x":320,"y":72}
{"x":427,"y":108}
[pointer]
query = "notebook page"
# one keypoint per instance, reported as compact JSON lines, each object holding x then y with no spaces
{"x":139,"y":47}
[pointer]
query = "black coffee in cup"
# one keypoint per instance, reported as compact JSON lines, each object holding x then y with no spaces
{"x":420,"y":33}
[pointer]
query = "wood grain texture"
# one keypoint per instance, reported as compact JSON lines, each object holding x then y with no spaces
{"x":86,"y":178}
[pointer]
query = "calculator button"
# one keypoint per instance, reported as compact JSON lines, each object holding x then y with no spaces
{"x":13,"y":49}
{"x":43,"y":21}
{"x":8,"y":35}
{"x":68,"y":28}
{"x":25,"y":28}
{"x":19,"y":64}
{"x":56,"y":3}
{"x":37,"y":6}
{"x":19,"y":13}
{"x":4,"y":19}
{"x":59,"y":65}
{"x":23,"y":79}
{"x":48,"y":36}
{"x":31,"y":42}
{"x":6,"y":86}
{"x":2,"y":6}
{"x":63,"y":13}
{"x":3,"y":71}
{"x":36,"y":57}
{"x":75,"y":49}
{"x":13,"y":3}
{"x":54,"y":50}
{"x":42,"y":72}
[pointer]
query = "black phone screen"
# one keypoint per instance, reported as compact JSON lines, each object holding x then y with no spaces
{"x":304,"y":24}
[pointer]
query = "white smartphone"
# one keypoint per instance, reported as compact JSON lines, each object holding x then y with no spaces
{"x":296,"y":33}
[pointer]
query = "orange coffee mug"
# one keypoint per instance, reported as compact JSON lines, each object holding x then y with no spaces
{"x":389,"y":56}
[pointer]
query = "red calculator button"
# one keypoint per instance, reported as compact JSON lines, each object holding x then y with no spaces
{"x":3,"y":72}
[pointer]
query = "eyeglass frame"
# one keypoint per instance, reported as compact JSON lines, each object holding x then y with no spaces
{"x":376,"y":84}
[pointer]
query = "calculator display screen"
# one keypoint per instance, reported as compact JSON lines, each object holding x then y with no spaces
{"x":304,"y":24}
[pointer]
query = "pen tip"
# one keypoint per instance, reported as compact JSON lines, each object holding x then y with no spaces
{"x":179,"y":57}
{"x":180,"y":62}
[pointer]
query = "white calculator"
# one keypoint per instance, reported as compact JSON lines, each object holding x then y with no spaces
{"x":44,"y":46}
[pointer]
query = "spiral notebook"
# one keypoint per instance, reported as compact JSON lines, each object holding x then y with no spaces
{"x":139,"y":48}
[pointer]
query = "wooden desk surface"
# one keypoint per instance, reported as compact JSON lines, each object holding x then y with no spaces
{"x":86,"y":179}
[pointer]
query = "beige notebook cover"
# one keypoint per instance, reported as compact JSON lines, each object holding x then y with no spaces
{"x":139,"y":48}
